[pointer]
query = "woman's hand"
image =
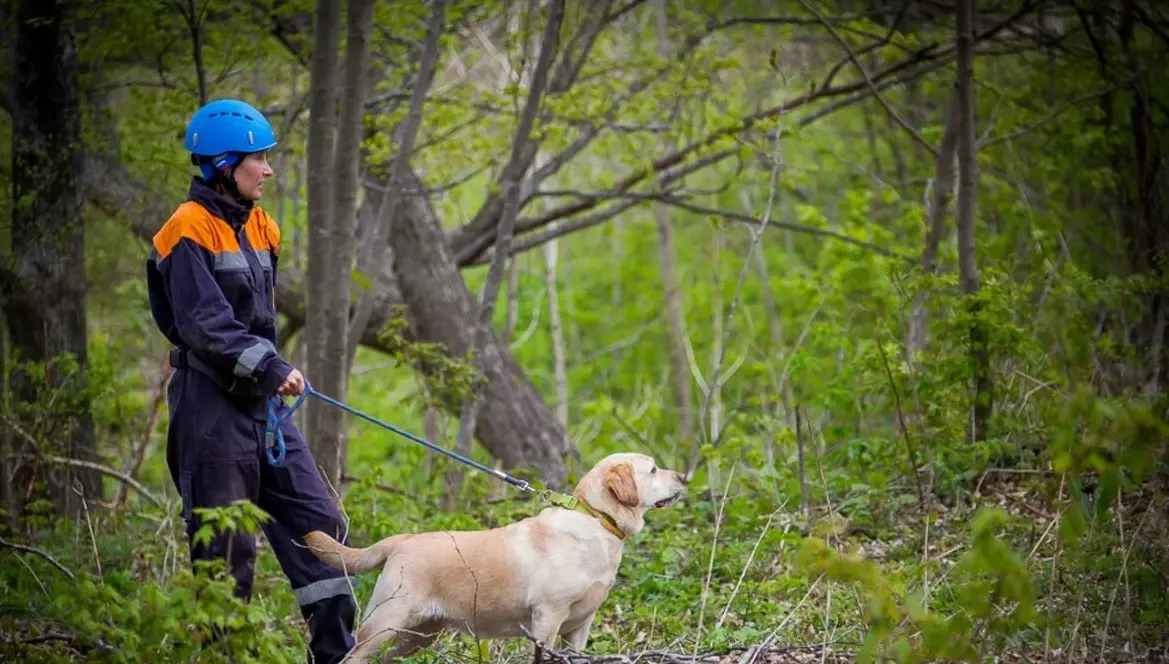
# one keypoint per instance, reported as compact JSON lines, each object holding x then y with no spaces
{"x":293,"y":385}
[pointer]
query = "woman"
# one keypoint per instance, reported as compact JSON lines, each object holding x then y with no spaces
{"x":211,"y":281}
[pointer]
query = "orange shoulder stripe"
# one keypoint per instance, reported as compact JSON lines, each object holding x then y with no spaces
{"x":194,"y":222}
{"x":262,"y":231}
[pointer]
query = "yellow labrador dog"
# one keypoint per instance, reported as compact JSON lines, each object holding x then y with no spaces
{"x":542,"y":577}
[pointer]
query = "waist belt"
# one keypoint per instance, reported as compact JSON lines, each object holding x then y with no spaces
{"x":184,"y":358}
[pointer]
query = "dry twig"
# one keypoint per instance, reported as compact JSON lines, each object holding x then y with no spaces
{"x":32,"y":549}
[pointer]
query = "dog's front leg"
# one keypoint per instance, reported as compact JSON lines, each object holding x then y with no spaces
{"x":579,"y":637}
{"x":546,"y":622}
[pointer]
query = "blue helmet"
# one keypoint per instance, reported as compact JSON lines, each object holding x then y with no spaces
{"x":223,"y":131}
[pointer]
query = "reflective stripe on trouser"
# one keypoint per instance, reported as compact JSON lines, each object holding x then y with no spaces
{"x":214,"y":454}
{"x":323,"y":589}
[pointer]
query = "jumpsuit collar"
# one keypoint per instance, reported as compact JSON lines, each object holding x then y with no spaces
{"x":234,"y":212}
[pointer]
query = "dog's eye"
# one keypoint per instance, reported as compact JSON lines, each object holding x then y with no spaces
{"x":653,"y":470}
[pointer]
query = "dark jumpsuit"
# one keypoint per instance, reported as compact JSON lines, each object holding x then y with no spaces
{"x":211,"y":281}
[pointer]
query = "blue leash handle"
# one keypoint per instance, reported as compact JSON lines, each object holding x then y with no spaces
{"x":273,"y":434}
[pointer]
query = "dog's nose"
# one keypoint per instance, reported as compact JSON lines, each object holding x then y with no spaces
{"x":682,"y":479}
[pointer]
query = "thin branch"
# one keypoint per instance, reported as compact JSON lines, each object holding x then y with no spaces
{"x":756,"y":237}
{"x":533,"y":223}
{"x":147,"y":429}
{"x":535,"y":240}
{"x":439,"y":138}
{"x":568,"y":70}
{"x":799,"y":228}
{"x":429,"y":192}
{"x":474,"y":237}
{"x":517,"y":164}
{"x":798,"y":20}
{"x":477,"y":245}
{"x":31,"y":549}
{"x":868,"y":81}
{"x":1059,"y":110}
{"x":904,"y":429}
{"x":487,"y":108}
{"x":106,"y":470}
{"x":467,"y":251}
{"x":560,"y":79}
{"x":391,"y":199}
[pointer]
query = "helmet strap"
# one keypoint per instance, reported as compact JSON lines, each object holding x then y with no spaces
{"x":221,"y":179}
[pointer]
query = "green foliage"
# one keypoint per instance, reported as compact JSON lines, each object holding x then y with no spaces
{"x":992,"y":586}
{"x":826,"y":330}
{"x":448,"y":380}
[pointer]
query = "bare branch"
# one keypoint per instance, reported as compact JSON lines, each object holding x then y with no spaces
{"x":787,"y":225}
{"x":467,"y":249}
{"x":479,"y":232}
{"x":494,"y":109}
{"x":390,"y":201}
{"x":32,"y":549}
{"x":468,"y":254}
{"x":625,"y":9}
{"x":596,"y":18}
{"x":1060,"y":110}
{"x":106,"y":470}
{"x":798,"y":20}
{"x":532,"y":241}
{"x":513,"y":172}
{"x":868,"y":81}
{"x":560,"y":80}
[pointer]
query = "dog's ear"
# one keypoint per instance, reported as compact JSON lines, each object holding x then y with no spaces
{"x":619,"y":480}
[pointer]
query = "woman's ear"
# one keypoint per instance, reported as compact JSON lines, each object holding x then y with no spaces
{"x":619,"y":480}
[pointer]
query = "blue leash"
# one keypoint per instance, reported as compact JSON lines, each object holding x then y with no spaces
{"x":274,"y":437}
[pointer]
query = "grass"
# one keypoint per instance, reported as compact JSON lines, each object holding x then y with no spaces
{"x":723,"y":571}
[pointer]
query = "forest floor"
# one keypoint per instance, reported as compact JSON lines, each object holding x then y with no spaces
{"x":721,"y":562}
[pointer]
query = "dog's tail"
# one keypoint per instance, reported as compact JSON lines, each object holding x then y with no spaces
{"x":348,"y":559}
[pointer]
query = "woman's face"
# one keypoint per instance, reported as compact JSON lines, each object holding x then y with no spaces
{"x":251,"y":174}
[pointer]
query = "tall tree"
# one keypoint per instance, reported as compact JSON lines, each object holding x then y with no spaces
{"x":523,"y":148}
{"x":943,"y":190}
{"x":667,"y":259}
{"x":374,"y":248}
{"x":967,"y":188}
{"x":559,"y":362}
{"x":333,"y":235}
{"x":321,"y":136}
{"x":44,"y":277}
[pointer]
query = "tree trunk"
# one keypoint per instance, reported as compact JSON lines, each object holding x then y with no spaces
{"x":331,"y":372}
{"x":775,"y":351}
{"x":558,"y":361}
{"x":522,"y":151}
{"x":294,"y":260}
{"x":383,"y":215}
{"x":194,"y":25}
{"x":7,"y":461}
{"x":943,"y":191}
{"x":967,"y":258}
{"x":667,"y":258}
{"x":714,"y":398}
{"x":512,"y":294}
{"x":320,"y":419}
{"x":45,"y":307}
{"x":1148,"y":240}
{"x":514,"y":423}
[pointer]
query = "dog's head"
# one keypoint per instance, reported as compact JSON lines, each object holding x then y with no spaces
{"x":626,"y":486}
